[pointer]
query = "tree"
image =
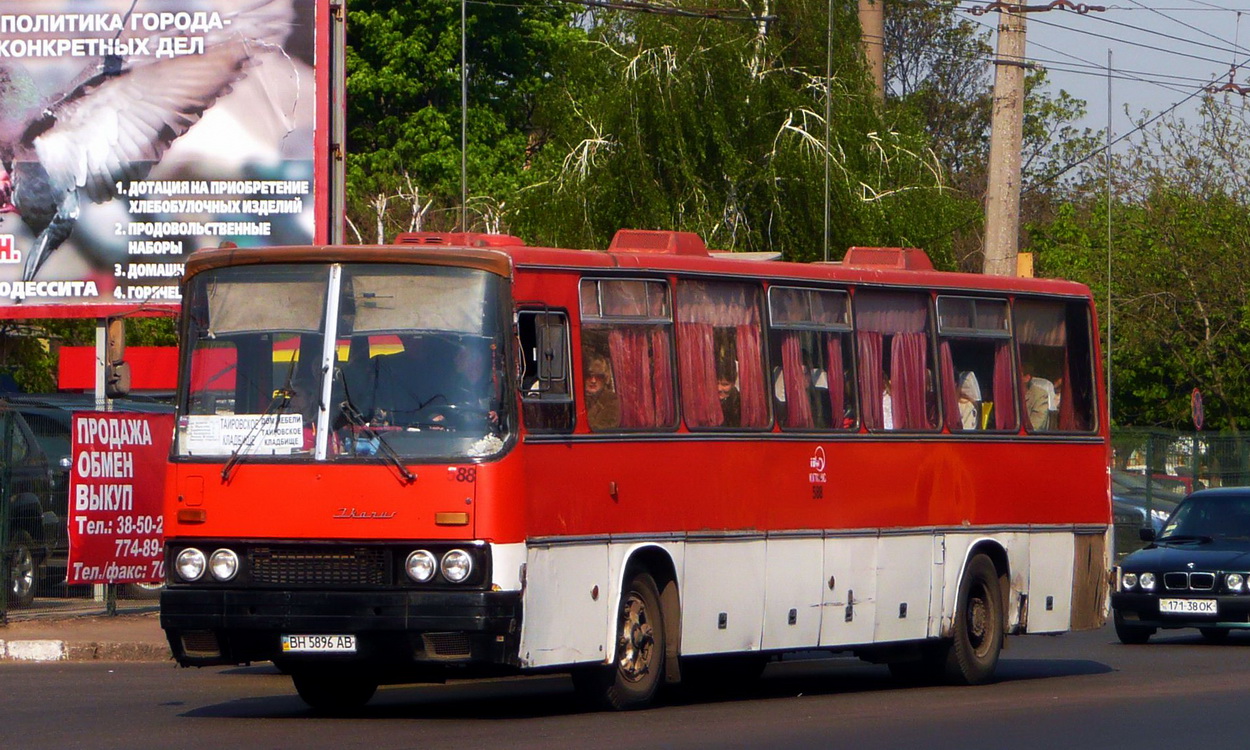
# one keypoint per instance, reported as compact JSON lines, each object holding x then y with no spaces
{"x":403,"y":84}
{"x":718,"y":127}
{"x":1181,"y":303}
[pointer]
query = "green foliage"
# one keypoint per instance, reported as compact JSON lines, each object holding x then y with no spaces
{"x":718,"y":128}
{"x":404,"y":115}
{"x":1181,"y":305}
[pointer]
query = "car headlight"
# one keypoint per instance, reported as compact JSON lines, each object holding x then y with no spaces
{"x":1234,"y":582}
{"x":421,"y":566}
{"x":223,"y":564}
{"x":1147,"y":581}
{"x":1129,"y":580}
{"x":457,"y":565}
{"x":190,"y":564}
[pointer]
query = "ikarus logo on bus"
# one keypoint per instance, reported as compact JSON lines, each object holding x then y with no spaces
{"x":816,"y":472}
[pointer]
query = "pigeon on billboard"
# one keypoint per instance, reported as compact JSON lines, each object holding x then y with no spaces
{"x":133,"y":132}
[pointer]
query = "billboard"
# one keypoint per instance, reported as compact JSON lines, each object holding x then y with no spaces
{"x":117,"y":484}
{"x":133,"y":132}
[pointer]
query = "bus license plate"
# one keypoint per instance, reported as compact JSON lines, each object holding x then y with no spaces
{"x":1187,"y":606}
{"x":320,"y":644}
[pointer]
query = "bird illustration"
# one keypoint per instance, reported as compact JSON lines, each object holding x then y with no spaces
{"x":111,"y":127}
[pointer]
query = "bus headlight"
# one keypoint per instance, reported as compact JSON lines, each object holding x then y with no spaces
{"x":1234,"y":582}
{"x":1147,"y":581}
{"x":190,"y":564}
{"x":223,"y":564}
{"x":1129,"y":580}
{"x":457,"y":565}
{"x":421,"y":566}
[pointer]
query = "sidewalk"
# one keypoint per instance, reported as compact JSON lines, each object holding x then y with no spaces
{"x":125,"y":637}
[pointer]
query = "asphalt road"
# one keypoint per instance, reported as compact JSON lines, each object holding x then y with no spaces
{"x":1081,"y":690}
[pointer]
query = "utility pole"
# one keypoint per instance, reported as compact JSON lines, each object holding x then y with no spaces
{"x":872,"y":39}
{"x":1002,"y":197}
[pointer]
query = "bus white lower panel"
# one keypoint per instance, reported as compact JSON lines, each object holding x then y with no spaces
{"x":723,"y":596}
{"x":566,"y":606}
{"x":850,"y":604}
{"x":904,"y":574}
{"x":792,"y":603}
{"x":1050,"y":582}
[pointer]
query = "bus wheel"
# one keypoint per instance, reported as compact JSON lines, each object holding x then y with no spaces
{"x":973,"y":654}
{"x":1131,"y":634}
{"x":333,"y":692}
{"x":632,"y":680}
{"x":23,"y":573}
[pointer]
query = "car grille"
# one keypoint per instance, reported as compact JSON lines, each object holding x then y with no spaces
{"x":1189,"y":581}
{"x":319,"y":566}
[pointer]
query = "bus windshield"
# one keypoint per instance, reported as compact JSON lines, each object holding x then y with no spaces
{"x":416,"y":369}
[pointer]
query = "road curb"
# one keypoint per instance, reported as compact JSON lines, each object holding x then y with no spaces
{"x":55,"y":650}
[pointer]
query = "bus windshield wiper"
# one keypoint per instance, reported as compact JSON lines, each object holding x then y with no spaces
{"x":281,"y":398}
{"x":355,"y":419}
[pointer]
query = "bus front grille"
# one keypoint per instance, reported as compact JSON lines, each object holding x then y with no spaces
{"x":318,"y":566}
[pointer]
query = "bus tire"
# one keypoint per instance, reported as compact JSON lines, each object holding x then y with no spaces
{"x":1131,"y":635}
{"x":21,"y":570}
{"x":333,"y":692}
{"x":978,"y":629}
{"x":630,"y":683}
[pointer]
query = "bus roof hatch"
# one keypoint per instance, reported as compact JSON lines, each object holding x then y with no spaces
{"x":901,"y":258}
{"x":650,"y":241}
{"x":458,"y":239}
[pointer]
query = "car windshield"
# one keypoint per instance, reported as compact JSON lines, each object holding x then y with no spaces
{"x":1210,"y":517}
{"x":416,"y":368}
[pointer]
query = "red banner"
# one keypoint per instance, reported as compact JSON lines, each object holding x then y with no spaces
{"x":116,"y":530}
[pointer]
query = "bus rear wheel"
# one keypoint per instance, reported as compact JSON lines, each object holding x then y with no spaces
{"x":333,"y":692}
{"x":978,"y":632}
{"x":630,"y":683}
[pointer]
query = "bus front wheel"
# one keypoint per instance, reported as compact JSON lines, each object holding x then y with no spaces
{"x":632,"y":679}
{"x":978,"y":630}
{"x":333,"y":692}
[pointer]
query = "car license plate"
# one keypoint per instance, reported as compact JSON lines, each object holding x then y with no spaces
{"x":320,"y":644}
{"x":1187,"y":606}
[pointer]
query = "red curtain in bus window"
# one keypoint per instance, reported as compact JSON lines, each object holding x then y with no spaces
{"x":950,"y":399}
{"x":796,"y":381}
{"x":751,"y":373}
{"x":634,"y":379}
{"x":908,"y":362}
{"x":662,"y":369}
{"x":1004,"y":388}
{"x":1067,"y":414}
{"x":697,"y":358}
{"x":871,"y":378}
{"x":837,"y":381}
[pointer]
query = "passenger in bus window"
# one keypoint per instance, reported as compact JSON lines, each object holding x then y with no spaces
{"x":887,"y":403}
{"x":730,"y":399}
{"x":1037,"y":400}
{"x":603,"y":407}
{"x":969,"y":400}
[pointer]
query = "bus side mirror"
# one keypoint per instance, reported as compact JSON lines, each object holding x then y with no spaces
{"x":551,"y":354}
{"x":1146,"y":533}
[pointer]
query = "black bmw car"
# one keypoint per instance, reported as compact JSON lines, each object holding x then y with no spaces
{"x":1194,"y":574}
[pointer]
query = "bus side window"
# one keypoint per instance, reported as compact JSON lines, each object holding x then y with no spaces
{"x":546,"y":398}
{"x":978,"y":389}
{"x":1056,"y":362}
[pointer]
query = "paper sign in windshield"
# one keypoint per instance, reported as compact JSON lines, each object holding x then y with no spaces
{"x":249,"y":434}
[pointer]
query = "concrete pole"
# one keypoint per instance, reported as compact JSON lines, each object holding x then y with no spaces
{"x":1002,"y":198}
{"x":872,"y":28}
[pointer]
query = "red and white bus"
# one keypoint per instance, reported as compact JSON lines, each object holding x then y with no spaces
{"x":477,"y":457}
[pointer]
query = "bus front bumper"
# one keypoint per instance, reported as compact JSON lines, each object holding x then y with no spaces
{"x":390,"y":628}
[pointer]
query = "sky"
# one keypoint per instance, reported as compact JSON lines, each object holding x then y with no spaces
{"x":1162,"y":52}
